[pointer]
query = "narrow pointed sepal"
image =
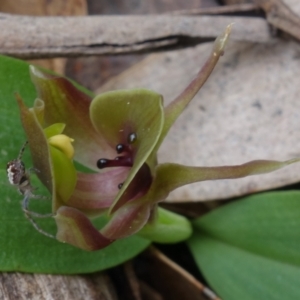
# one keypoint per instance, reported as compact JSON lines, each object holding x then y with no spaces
{"x":37,"y":140}
{"x":171,"y":176}
{"x":53,"y":163}
{"x":176,"y":107}
{"x":76,"y":229}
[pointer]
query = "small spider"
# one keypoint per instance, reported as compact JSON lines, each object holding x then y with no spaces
{"x":19,"y":177}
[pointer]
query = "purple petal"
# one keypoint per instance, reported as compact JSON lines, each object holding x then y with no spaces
{"x":94,"y":193}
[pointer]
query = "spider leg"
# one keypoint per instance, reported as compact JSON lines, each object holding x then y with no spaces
{"x":37,"y":215}
{"x":25,"y":206}
{"x":29,"y":215}
{"x":36,"y":226}
{"x":39,"y":229}
{"x":39,"y":197}
{"x":22,"y":150}
{"x":33,"y":170}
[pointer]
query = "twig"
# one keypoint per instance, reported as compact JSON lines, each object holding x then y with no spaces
{"x":218,"y":10}
{"x":281,"y":16}
{"x":44,"y":37}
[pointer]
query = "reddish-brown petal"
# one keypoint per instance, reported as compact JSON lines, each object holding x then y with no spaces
{"x":64,"y":103}
{"x":76,"y":229}
{"x":127,"y":220}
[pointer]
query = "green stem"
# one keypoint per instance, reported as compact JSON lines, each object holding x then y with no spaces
{"x":168,"y":227}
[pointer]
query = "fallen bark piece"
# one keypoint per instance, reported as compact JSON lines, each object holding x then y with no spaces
{"x":218,"y":10}
{"x":283,"y":15}
{"x":24,"y":286}
{"x":40,"y":37}
{"x":46,"y":8}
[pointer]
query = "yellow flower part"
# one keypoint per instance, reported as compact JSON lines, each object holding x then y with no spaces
{"x":63,"y":143}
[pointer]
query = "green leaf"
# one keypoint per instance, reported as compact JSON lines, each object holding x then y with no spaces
{"x":22,"y":248}
{"x":250,"y":249}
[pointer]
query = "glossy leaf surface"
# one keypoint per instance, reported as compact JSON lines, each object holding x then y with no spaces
{"x":249,"y":249}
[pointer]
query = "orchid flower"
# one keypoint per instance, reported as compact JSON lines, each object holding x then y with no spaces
{"x":116,"y":136}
